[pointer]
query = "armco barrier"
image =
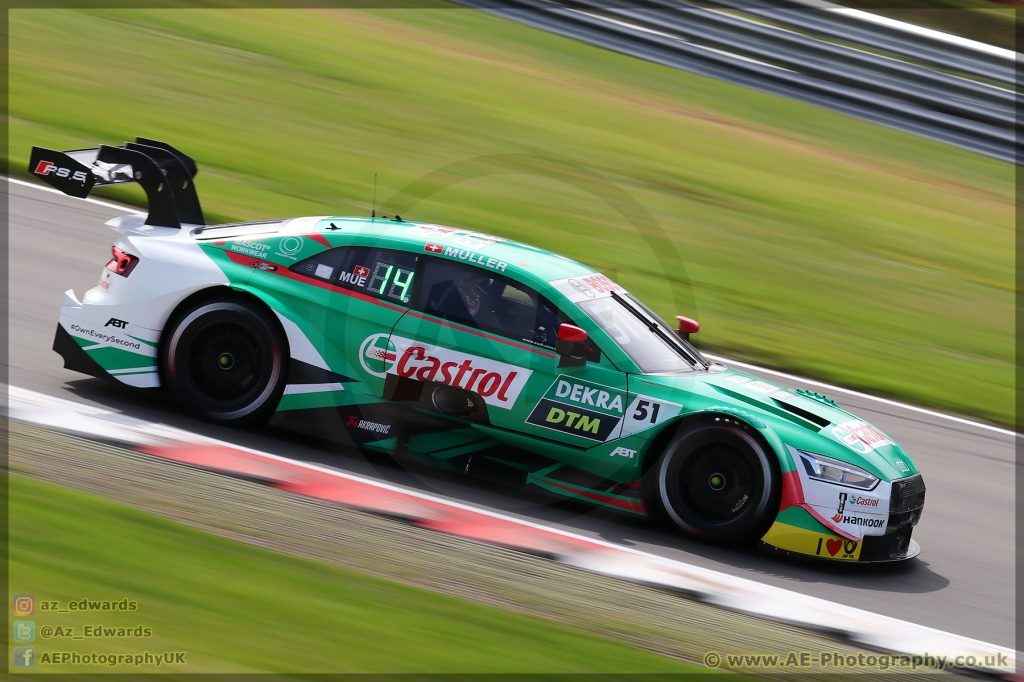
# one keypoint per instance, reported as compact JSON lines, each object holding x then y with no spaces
{"x":906,"y":94}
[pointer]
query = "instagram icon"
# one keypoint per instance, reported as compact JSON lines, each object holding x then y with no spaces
{"x":24,"y":605}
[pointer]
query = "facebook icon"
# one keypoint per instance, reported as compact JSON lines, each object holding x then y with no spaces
{"x":24,"y":656}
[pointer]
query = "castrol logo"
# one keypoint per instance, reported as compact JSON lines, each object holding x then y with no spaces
{"x":498,"y":383}
{"x":377,"y":354}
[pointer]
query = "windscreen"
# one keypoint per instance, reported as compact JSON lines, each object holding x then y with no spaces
{"x":651,"y":352}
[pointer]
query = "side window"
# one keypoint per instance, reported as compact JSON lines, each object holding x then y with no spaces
{"x":322,"y":266}
{"x":382,"y":273}
{"x":490,"y":302}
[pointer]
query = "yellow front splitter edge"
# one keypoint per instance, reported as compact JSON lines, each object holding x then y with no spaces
{"x":809,"y":544}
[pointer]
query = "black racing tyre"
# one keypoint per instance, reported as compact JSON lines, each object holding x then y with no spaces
{"x":225,"y":361}
{"x":717,"y":483}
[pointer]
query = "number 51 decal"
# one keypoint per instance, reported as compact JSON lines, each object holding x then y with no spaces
{"x":645,"y":412}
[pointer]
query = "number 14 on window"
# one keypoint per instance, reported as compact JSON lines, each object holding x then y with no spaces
{"x":399,"y":283}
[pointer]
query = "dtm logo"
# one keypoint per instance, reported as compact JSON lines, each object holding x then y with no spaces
{"x":114,"y":322}
{"x":377,"y":355}
{"x":47,"y":167}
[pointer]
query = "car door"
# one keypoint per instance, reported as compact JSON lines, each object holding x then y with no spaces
{"x":480,"y":346}
{"x":371,"y":289}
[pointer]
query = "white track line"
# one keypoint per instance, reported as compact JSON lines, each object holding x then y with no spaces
{"x":105,"y":204}
{"x":756,"y":368}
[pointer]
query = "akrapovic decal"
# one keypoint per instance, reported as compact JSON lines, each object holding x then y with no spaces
{"x":498,"y":383}
{"x":580,"y":408}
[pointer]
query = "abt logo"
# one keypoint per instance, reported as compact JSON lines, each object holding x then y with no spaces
{"x":48,"y":167}
{"x":114,"y":322}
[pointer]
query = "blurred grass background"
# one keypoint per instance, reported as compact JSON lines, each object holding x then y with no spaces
{"x":236,"y":608}
{"x":814,"y":242}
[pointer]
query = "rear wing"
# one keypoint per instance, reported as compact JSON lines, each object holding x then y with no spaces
{"x":163,"y":172}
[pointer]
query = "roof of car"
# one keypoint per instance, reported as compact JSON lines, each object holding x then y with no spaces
{"x":484,"y":250}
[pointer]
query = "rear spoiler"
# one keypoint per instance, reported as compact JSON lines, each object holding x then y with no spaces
{"x":162,"y":171}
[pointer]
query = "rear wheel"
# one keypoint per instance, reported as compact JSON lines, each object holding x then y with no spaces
{"x":717,"y":483}
{"x":225,"y":361}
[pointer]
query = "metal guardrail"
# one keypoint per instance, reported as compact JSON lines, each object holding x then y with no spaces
{"x":795,"y":61}
{"x":892,"y":41}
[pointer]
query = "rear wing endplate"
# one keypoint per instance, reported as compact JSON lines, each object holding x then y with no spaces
{"x":163,"y":172}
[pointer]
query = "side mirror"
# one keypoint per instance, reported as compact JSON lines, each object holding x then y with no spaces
{"x":570,"y":345}
{"x":687,"y":327}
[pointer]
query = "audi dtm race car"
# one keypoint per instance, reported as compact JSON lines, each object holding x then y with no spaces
{"x":472,"y":353}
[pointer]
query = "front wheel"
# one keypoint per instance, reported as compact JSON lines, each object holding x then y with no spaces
{"x":717,"y":483}
{"x":225,"y":361}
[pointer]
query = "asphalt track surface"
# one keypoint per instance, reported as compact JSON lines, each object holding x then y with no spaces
{"x":963,"y":581}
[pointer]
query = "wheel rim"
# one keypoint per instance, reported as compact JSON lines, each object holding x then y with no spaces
{"x":716,"y":484}
{"x":227,"y":363}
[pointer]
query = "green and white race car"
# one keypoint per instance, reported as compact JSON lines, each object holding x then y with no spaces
{"x":473,"y":353}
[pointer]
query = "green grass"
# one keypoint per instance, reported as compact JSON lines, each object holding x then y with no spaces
{"x":237,"y":608}
{"x":813,"y":241}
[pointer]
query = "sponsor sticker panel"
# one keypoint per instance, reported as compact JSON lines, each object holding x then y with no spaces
{"x":498,"y":383}
{"x":586,"y":287}
{"x":804,"y":541}
{"x":860,"y":436}
{"x":573,"y":420}
{"x":114,"y":333}
{"x":857,"y":513}
{"x":247,"y":247}
{"x":758,"y":386}
{"x":580,"y":408}
{"x":645,"y":412}
{"x":374,"y":427}
{"x":377,"y":355}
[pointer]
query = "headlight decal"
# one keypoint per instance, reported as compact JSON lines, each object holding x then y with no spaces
{"x":844,"y":498}
{"x":830,"y":470}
